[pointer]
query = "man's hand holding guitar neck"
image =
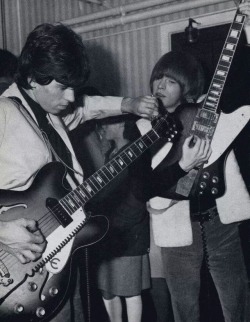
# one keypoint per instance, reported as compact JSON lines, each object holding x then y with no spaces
{"x":28,"y":243}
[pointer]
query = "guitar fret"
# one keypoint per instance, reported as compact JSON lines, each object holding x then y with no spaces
{"x":128,"y":155}
{"x":141,"y":146}
{"x":221,"y":73}
{"x":232,"y":40}
{"x":216,"y":93}
{"x":152,"y":134}
{"x":210,"y":104}
{"x":236,"y":26}
{"x":112,"y":168}
{"x":217,"y":85}
{"x":107,"y":172}
{"x":119,"y":160}
{"x":213,"y":99}
{"x":84,"y":197}
{"x":70,"y":205}
{"x":131,"y":153}
{"x":225,"y":63}
{"x":81,"y":195}
{"x":234,"y":33}
{"x":88,"y":188}
{"x":116,"y":166}
{"x":136,"y":149}
{"x":223,"y":68}
{"x":71,"y":202}
{"x":125,"y":157}
{"x":226,"y":58}
{"x":219,"y":78}
{"x":240,"y":18}
{"x":93,"y":184}
{"x":227,"y":52}
{"x":65,"y":205}
{"x":75,"y":198}
{"x":101,"y":179}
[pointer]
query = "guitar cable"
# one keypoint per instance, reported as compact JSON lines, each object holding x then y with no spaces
{"x":87,"y":284}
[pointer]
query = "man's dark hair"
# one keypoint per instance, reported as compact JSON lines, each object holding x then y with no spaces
{"x":185,"y":70}
{"x":53,"y":52}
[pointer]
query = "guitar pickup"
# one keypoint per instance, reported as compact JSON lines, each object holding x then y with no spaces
{"x":59,"y":212}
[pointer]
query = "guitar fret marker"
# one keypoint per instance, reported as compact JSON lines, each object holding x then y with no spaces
{"x":89,"y":188}
{"x":221,"y":73}
{"x":141,"y":145}
{"x":130,"y":154}
{"x":230,"y":46}
{"x":217,"y":85}
{"x":83,"y":194}
{"x":210,"y":104}
{"x":225,"y":58}
{"x":212,"y":99}
{"x":120,"y":162}
{"x":99,"y":179}
{"x":234,"y":33}
{"x":111,"y":169}
{"x":239,"y":18}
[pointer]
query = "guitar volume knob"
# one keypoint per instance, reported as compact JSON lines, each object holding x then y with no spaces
{"x":32,"y":286}
{"x":53,"y":291}
{"x":215,"y":179}
{"x":205,"y":175}
{"x":40,"y":312}
{"x":214,"y":191}
{"x":203,"y":185}
{"x":18,"y":308}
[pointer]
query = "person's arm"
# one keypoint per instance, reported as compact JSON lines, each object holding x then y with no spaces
{"x":97,"y":107}
{"x":19,"y":237}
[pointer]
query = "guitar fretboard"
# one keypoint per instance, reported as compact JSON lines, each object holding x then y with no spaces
{"x":91,"y":186}
{"x":207,"y":118}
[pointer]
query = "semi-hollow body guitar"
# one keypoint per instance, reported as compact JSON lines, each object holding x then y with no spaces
{"x":34,"y":291}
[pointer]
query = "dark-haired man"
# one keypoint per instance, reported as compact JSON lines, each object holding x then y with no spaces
{"x":33,"y":131}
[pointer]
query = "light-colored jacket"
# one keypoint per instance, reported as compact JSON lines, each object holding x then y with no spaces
{"x":24,"y":151}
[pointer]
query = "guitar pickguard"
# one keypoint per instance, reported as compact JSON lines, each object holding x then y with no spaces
{"x":61,"y":237}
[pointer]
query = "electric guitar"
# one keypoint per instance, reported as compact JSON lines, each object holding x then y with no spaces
{"x":34,"y":291}
{"x":209,"y":120}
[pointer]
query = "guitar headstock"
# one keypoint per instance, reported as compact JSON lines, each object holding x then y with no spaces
{"x":166,"y":126}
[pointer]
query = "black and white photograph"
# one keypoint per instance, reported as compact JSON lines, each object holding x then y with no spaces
{"x":124,"y":160}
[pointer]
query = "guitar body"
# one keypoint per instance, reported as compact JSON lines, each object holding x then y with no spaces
{"x":34,"y":291}
{"x":209,"y":180}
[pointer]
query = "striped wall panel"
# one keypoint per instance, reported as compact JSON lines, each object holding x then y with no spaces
{"x":122,"y":57}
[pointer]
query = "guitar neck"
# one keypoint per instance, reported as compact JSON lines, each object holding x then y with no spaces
{"x":101,"y":178}
{"x":207,"y":118}
{"x":221,"y":72}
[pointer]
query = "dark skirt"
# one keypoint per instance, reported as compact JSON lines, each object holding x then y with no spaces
{"x":124,"y":276}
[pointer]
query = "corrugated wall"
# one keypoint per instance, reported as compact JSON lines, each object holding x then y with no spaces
{"x":122,"y":57}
